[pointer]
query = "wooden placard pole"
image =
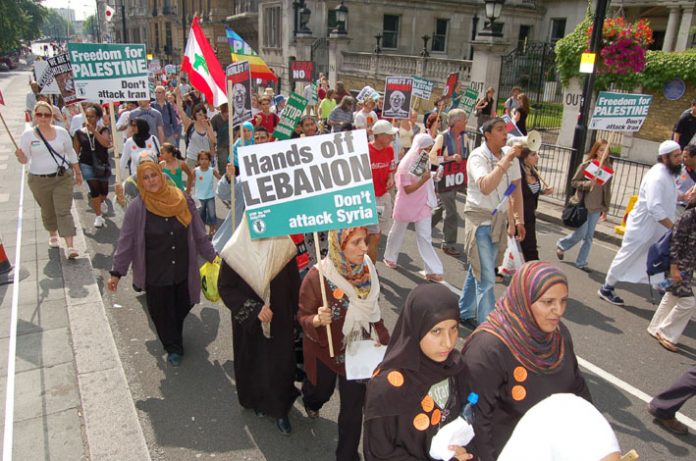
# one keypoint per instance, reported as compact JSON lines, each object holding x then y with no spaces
{"x":325,"y":302}
{"x":230,"y":127}
{"x":8,"y":131}
{"x":117,"y":150}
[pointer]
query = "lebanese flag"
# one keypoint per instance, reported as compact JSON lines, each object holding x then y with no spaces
{"x":601,"y":173}
{"x":109,"y":12}
{"x":203,"y":68}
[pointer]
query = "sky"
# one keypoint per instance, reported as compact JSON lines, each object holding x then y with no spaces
{"x":83,"y":8}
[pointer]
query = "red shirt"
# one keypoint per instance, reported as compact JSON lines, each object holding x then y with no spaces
{"x":382,"y":164}
{"x":269,"y":121}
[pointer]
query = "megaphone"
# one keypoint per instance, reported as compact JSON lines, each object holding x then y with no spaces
{"x":532,"y":141}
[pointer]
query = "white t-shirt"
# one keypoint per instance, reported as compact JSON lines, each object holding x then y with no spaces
{"x":131,"y":152}
{"x":77,"y":122}
{"x":480,"y":163}
{"x":364,"y":120}
{"x":40,"y":160}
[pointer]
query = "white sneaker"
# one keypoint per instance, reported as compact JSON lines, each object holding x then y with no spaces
{"x":99,"y":221}
{"x":104,"y":207}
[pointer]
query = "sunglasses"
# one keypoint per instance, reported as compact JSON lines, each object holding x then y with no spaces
{"x":43,"y":114}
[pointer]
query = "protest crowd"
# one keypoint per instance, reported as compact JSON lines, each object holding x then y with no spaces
{"x":305,"y":304}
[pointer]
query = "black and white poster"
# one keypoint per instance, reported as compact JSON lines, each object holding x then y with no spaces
{"x":239,"y":74}
{"x":397,"y":97}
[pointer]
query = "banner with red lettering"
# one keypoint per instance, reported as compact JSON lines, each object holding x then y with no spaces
{"x":397,"y":97}
{"x":301,"y":71}
{"x":453,"y":177}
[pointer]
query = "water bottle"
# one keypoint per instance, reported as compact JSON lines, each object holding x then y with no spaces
{"x":468,"y":411}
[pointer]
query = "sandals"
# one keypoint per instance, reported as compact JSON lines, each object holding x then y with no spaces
{"x":436,"y":278}
{"x":390,"y":264}
{"x":666,"y":343}
{"x":53,"y":241}
{"x":72,"y":253}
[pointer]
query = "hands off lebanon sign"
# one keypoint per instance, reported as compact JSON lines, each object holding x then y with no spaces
{"x":110,"y":72}
{"x":308,"y":184}
{"x":620,"y":111}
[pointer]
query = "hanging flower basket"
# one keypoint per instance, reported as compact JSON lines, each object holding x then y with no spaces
{"x":623,"y":46}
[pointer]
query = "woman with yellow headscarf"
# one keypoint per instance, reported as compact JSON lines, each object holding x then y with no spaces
{"x":352,"y":292}
{"x":161,"y":237}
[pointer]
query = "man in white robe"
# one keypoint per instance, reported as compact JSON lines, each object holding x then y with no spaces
{"x":651,"y":217}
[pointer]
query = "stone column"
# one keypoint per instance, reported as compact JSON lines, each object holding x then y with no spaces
{"x":337,"y":45}
{"x":488,"y":53}
{"x":684,"y":28}
{"x":672,"y":25}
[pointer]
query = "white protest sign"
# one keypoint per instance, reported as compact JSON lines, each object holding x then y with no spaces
{"x":44,"y":77}
{"x":110,"y":72}
{"x":620,"y":111}
{"x":308,"y":184}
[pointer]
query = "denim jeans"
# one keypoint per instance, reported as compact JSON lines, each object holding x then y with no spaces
{"x":478,"y":298}
{"x":584,"y":233}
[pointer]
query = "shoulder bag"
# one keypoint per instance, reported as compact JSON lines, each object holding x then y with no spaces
{"x":575,"y":214}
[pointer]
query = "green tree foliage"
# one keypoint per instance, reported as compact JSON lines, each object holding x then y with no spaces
{"x":20,"y":20}
{"x":90,"y":26}
{"x":56,"y":27}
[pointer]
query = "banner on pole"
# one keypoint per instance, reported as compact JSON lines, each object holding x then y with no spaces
{"x":366,"y":92}
{"x":63,"y":76}
{"x":239,"y":73}
{"x":468,"y":101}
{"x":301,"y":70}
{"x":601,"y":173}
{"x":110,"y":72}
{"x":170,"y":69}
{"x":620,"y":111}
{"x":308,"y":184}
{"x":290,"y":116}
{"x":422,"y":88}
{"x":397,"y":97}
{"x":44,"y":77}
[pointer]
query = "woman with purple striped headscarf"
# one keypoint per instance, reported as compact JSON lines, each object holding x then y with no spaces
{"x":519,"y":356}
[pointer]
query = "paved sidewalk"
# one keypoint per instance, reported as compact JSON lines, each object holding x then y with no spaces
{"x":72,"y":400}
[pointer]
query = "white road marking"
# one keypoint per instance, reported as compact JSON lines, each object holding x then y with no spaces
{"x":4,"y":198}
{"x":12,"y":346}
{"x":605,"y":375}
{"x":3,"y":166}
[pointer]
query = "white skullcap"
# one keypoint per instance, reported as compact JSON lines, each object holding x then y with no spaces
{"x":667,"y":147}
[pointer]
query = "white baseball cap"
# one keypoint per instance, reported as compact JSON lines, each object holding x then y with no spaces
{"x":383,"y":127}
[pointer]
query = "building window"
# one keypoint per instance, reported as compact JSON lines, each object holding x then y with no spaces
{"x":157,"y":38}
{"x":440,"y":36}
{"x":390,"y":33}
{"x":168,"y":38}
{"x":558,"y":28}
{"x":524,"y":37}
{"x":271,"y":27}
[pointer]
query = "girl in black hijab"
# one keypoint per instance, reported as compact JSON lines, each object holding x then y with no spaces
{"x":142,"y":133}
{"x":414,"y":392}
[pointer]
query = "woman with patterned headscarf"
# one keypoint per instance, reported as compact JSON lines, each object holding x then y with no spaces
{"x":162,"y":235}
{"x":519,"y":356}
{"x":352,"y":292}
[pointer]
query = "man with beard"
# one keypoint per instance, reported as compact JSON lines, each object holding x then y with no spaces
{"x":651,"y":217}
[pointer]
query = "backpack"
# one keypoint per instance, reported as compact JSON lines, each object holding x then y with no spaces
{"x":658,"y":255}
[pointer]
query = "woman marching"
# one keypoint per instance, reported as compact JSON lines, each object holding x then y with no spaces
{"x":92,"y":146}
{"x":53,"y":171}
{"x":352,"y":291}
{"x":415,"y":390}
{"x":597,"y":198}
{"x":264,"y":368}
{"x":141,"y":141}
{"x":532,"y":188}
{"x":174,"y":167}
{"x":415,"y":199}
{"x":162,"y":235}
{"x":519,"y":356}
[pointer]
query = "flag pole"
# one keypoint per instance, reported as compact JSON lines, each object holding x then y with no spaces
{"x":230,"y":127}
{"x":117,"y":151}
{"x":317,"y":249}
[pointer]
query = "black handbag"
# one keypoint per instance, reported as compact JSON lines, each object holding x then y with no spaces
{"x":575,"y":214}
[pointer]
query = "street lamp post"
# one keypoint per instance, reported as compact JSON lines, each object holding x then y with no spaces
{"x":424,"y":53}
{"x":378,"y":48}
{"x":341,"y":19}
{"x":493,"y":10}
{"x":580,"y":136}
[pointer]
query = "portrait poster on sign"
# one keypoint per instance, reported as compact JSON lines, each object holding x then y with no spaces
{"x":308,"y":184}
{"x":239,"y":73}
{"x":451,"y":84}
{"x":63,"y":76}
{"x":109,"y":71}
{"x":397,"y":97}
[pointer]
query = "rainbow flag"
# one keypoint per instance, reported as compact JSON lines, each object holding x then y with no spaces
{"x":241,"y":51}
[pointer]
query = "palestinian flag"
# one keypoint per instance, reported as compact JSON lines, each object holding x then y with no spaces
{"x":203,"y":68}
{"x":241,"y":51}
